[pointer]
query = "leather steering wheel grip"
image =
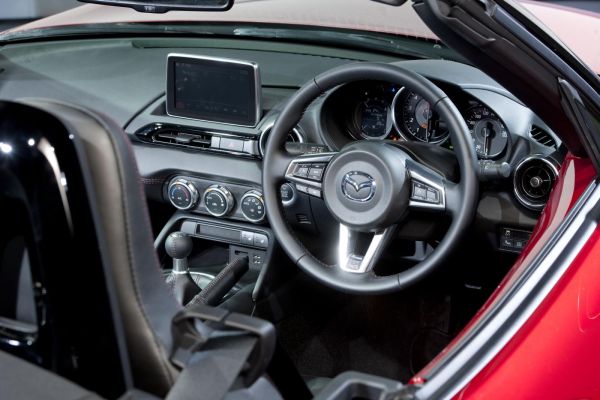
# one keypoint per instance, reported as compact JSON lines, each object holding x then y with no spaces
{"x":277,"y":160}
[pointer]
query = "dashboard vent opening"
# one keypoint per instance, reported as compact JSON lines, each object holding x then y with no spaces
{"x":185,"y":139}
{"x":293,"y":137}
{"x":542,"y":137}
{"x":534,"y":178}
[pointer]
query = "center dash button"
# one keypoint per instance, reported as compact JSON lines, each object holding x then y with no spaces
{"x":247,"y":238}
{"x":261,"y":240}
{"x":232,"y":144}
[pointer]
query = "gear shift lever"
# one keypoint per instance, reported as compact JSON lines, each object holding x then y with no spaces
{"x":179,"y":246}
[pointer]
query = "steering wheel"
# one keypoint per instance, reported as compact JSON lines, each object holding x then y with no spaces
{"x":370,"y":186}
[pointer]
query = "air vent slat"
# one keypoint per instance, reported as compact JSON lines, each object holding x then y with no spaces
{"x":197,"y":140}
{"x":542,"y":137}
{"x":203,"y":142}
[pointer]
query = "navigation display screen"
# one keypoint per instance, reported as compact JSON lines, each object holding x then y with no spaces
{"x":217,"y":90}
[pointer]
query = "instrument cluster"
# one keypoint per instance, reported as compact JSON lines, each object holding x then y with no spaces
{"x":380,"y":111}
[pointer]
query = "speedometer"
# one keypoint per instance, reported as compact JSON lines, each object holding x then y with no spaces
{"x":420,"y":121}
{"x":489,"y":133}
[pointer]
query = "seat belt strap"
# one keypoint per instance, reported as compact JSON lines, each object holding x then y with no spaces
{"x":211,"y":373}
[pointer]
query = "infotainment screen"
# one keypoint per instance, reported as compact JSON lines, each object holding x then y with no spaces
{"x":213,"y":89}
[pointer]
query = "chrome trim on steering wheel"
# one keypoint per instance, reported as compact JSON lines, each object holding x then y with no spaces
{"x":349,"y":261}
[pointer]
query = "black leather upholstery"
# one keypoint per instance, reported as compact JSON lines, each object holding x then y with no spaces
{"x":45,"y":385}
{"x":41,"y":384}
{"x":124,"y":230}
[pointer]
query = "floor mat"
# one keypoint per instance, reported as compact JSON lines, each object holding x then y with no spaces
{"x":428,"y":343}
{"x":366,"y":334}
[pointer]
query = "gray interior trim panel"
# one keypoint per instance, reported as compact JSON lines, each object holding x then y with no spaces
{"x":157,"y":161}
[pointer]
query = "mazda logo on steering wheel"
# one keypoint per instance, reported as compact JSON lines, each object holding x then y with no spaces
{"x":358,"y":186}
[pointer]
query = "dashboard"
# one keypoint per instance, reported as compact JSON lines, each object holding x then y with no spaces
{"x":208,"y":167}
{"x":518,"y":155}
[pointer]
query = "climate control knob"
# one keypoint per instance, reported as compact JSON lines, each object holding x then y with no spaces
{"x":218,"y":200}
{"x":183,"y":194}
{"x":253,"y":206}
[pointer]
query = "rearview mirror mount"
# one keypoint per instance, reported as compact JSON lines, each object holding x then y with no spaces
{"x":162,"y":6}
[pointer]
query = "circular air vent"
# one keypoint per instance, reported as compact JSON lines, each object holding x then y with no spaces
{"x":293,"y":137}
{"x":534,"y":178}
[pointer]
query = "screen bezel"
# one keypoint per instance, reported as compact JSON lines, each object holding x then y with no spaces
{"x":172,"y":111}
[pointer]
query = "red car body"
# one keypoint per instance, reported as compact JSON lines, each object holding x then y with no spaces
{"x":555,"y":353}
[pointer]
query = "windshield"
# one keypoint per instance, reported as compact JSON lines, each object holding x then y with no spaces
{"x":353,"y":23}
{"x":361,"y":15}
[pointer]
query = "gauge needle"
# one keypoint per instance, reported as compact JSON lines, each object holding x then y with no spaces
{"x":487,"y":133}
{"x":428,"y":124}
{"x":485,"y":142}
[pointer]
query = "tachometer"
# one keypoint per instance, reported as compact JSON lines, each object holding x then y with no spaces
{"x":420,"y":121}
{"x":372,"y":118}
{"x":489,"y":133}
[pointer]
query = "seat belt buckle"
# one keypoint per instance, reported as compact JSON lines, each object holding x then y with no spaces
{"x":194,"y":327}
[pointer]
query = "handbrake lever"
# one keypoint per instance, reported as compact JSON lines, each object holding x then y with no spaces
{"x":214,"y":292}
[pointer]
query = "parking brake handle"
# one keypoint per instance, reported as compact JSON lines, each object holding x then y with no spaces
{"x":214,"y":292}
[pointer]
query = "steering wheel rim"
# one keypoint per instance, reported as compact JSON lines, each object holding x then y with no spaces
{"x":464,"y":194}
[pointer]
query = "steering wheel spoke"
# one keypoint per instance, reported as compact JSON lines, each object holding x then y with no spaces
{"x":349,"y":257}
{"x":429,"y":190}
{"x":307,"y":172}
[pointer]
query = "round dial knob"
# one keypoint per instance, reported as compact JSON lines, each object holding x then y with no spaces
{"x":183,"y":194}
{"x":253,"y":206}
{"x":218,"y":200}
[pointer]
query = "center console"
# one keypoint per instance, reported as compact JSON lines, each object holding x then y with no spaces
{"x":212,"y":125}
{"x":218,"y":242}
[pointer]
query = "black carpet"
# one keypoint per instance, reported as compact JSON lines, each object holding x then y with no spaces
{"x":375,"y":335}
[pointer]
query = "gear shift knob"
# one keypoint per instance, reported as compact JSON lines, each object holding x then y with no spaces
{"x":179,"y":246}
